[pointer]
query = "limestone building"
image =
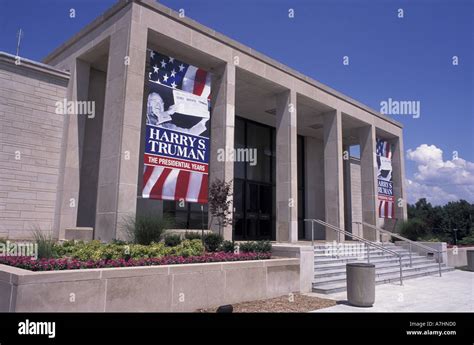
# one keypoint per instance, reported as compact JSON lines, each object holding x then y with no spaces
{"x":60,"y":171}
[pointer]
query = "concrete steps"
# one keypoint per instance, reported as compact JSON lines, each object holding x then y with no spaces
{"x":330,"y":271}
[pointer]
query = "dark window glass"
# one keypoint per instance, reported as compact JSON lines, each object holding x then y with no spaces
{"x":239,"y":138}
{"x":254,"y":190}
{"x":238,"y":196}
{"x":265,"y":196}
{"x":258,"y":137}
{"x":186,"y":215}
{"x":181,"y":219}
{"x":301,"y":185}
{"x":300,"y":162}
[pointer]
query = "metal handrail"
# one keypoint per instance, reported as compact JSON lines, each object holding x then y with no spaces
{"x":361,"y":239}
{"x":410,"y":242}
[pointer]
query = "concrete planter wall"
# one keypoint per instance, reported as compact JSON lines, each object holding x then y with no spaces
{"x":147,"y":289}
{"x":305,"y":254}
{"x":457,"y":256}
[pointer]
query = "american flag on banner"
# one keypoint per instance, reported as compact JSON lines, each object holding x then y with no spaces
{"x":386,"y":209}
{"x":176,"y":74}
{"x":166,"y":176}
{"x":383,"y":148}
{"x":384,"y":151}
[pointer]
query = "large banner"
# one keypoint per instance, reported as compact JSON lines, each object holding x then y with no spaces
{"x":177,"y":145}
{"x":384,"y":179}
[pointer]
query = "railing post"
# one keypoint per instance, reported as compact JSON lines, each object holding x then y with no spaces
{"x":368,"y":253}
{"x":409,"y":246}
{"x":439,"y":262}
{"x":312,"y":233}
{"x":401,"y":274}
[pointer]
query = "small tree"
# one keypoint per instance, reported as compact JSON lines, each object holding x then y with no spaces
{"x":220,"y":204}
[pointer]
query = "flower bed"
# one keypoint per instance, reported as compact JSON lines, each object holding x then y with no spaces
{"x":74,"y":264}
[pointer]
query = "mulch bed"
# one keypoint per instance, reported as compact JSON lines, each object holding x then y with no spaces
{"x":285,"y":304}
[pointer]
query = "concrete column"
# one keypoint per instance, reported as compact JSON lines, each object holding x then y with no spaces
{"x":68,"y":185}
{"x":314,"y":185}
{"x":347,"y":187}
{"x":368,"y":173}
{"x":286,"y":168}
{"x":333,"y":174}
{"x":120,"y":145}
{"x":222,"y":130}
{"x":398,"y":178}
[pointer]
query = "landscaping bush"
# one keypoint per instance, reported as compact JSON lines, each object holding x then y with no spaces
{"x":120,"y":242}
{"x":467,"y":240}
{"x":154,"y":250}
{"x":256,"y":247}
{"x":146,"y":229}
{"x":64,"y":249}
{"x":227,"y":246}
{"x":45,"y":244}
{"x":172,"y":240}
{"x":94,"y":250}
{"x":187,"y":248}
{"x":192,"y":235}
{"x":213,"y":241}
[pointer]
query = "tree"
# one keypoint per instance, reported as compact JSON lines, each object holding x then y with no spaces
{"x":220,"y":204}
{"x":440,"y":221}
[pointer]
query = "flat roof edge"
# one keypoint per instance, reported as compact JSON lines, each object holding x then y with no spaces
{"x":153,"y":5}
{"x":168,"y":12}
{"x":34,"y":65}
{"x":88,"y":28}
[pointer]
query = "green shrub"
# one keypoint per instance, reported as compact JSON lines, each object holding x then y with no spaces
{"x":172,"y":240}
{"x":413,"y":229}
{"x":192,"y":235}
{"x":467,"y":240}
{"x":87,"y":250}
{"x":429,"y":239}
{"x":95,"y":250}
{"x":154,"y":250}
{"x":45,"y":244}
{"x":3,"y":240}
{"x":120,"y":242}
{"x":63,"y":249}
{"x":212,"y":242}
{"x":256,"y":247}
{"x":146,"y":229}
{"x":188,"y":248}
{"x":227,"y":246}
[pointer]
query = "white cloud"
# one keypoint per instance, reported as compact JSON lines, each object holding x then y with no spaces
{"x":437,"y":180}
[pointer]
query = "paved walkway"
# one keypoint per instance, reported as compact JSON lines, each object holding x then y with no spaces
{"x":453,"y":292}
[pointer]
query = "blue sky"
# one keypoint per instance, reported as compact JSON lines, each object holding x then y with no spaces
{"x":406,"y":59}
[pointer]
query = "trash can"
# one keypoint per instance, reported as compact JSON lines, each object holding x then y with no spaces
{"x":360,"y":284}
{"x":470,"y":260}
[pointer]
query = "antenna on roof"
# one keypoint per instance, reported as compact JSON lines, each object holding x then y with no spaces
{"x":19,"y":35}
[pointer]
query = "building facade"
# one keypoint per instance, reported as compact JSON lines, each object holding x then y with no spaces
{"x":81,"y":171}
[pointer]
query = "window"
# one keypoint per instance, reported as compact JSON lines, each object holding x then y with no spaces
{"x":187,"y":216}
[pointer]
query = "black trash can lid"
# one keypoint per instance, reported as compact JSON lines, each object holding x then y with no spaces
{"x":360,"y":264}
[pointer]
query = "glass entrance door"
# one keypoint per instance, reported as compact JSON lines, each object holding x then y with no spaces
{"x":253,"y":211}
{"x":258,"y":211}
